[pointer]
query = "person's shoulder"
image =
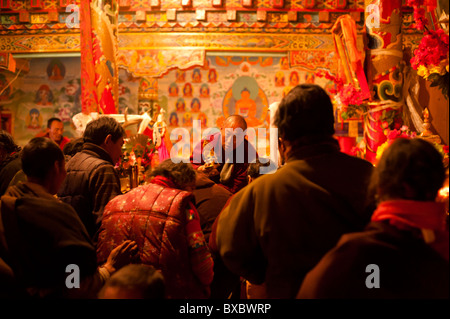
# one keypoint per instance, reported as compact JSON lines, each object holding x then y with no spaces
{"x":355,"y":160}
{"x":375,"y":237}
{"x":47,"y":205}
{"x":14,"y":164}
{"x":357,"y":165}
{"x":42,"y":134}
{"x":90,"y":160}
{"x":269,"y":181}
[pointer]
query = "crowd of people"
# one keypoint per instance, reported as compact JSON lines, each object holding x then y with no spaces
{"x":323,"y":225}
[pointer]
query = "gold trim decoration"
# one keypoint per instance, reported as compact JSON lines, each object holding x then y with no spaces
{"x":174,"y":41}
{"x":40,"y":43}
{"x":221,"y":41}
{"x":155,"y":63}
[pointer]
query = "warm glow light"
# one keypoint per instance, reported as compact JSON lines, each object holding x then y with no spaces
{"x":443,"y":193}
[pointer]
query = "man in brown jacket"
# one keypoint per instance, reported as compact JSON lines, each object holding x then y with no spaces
{"x":42,"y":240}
{"x":279,"y":226}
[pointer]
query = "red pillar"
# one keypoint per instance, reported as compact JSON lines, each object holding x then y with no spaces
{"x":384,"y":60}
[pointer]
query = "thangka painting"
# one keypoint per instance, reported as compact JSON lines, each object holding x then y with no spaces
{"x":228,"y":85}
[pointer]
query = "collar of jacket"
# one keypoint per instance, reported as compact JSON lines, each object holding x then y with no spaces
{"x":202,"y":181}
{"x":325,"y":146}
{"x":28,"y":189}
{"x":97,"y":151}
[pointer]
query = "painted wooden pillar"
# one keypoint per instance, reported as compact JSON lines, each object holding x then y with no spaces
{"x":384,"y":60}
{"x":99,"y":48}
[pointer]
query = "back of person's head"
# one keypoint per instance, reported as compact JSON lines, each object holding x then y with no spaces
{"x":74,"y":146}
{"x":51,"y":120}
{"x":182,"y":174}
{"x":134,"y":281}
{"x":253,"y":169}
{"x":7,"y":143}
{"x":305,"y":111}
{"x":97,"y":130}
{"x":409,"y":169}
{"x":39,"y":156}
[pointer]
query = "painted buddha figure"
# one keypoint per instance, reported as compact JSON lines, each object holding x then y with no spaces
{"x":246,"y":107}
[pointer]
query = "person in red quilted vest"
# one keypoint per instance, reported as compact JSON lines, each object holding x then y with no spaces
{"x":162,"y":219}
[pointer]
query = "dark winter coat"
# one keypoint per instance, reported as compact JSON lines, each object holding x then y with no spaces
{"x":401,"y":266}
{"x":90,"y":184}
{"x":278,"y":227}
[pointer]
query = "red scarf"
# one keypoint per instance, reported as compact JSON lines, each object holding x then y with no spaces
{"x":427,"y":216}
{"x":164,"y":181}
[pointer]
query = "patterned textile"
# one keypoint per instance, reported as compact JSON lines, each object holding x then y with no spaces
{"x":99,"y":70}
{"x":165,"y":225}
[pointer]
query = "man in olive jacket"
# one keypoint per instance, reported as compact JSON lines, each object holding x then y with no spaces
{"x":278,"y":227}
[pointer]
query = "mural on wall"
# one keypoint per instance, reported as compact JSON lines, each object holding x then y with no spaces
{"x":228,"y":85}
{"x":52,"y":89}
{"x":224,"y":85}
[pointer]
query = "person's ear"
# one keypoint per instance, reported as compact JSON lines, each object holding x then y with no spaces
{"x":108,"y":139}
{"x":281,"y":145}
{"x":56,"y":168}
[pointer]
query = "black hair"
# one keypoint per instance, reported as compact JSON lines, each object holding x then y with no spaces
{"x":97,"y":130}
{"x":7,"y":143}
{"x":253,"y":168}
{"x":305,"y":111}
{"x":39,"y":156}
{"x":140,"y":278}
{"x":409,"y":169}
{"x":74,"y":146}
{"x":50,"y":121}
{"x":182,"y":174}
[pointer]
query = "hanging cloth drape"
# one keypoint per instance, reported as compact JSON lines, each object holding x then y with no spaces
{"x":99,"y":71}
{"x":349,"y":57}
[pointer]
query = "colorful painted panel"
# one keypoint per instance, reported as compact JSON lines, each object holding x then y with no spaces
{"x":52,"y":88}
{"x":232,"y":41}
{"x":228,"y":85}
{"x":312,"y":60}
{"x":154,"y":63}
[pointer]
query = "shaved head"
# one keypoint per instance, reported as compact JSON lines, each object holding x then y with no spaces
{"x":235,"y":121}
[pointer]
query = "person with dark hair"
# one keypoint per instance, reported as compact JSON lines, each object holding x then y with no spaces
{"x":54,"y":131}
{"x":134,"y":281}
{"x":403,"y":253}
{"x":10,"y":162}
{"x":40,"y":237}
{"x":231,"y":158}
{"x":91,"y":180}
{"x":73,"y":147}
{"x":163,"y":220}
{"x":254,"y":169}
{"x":279,"y":226}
